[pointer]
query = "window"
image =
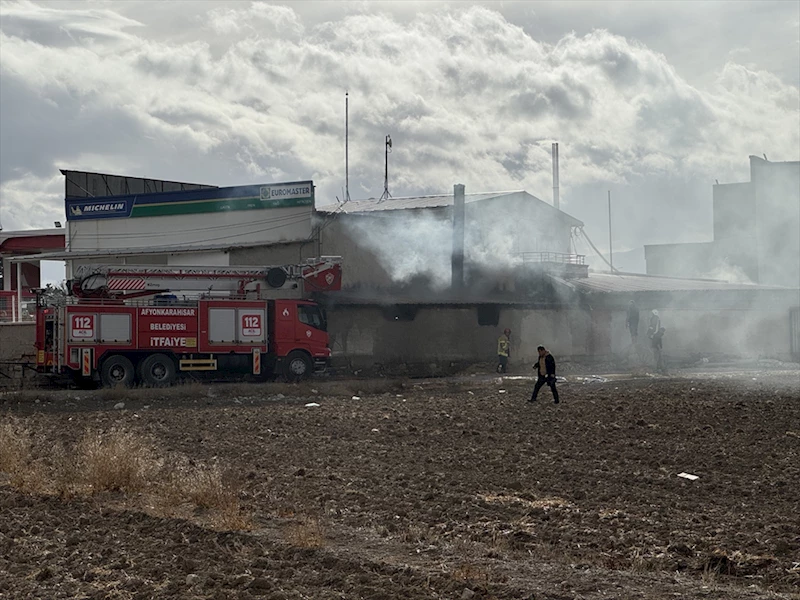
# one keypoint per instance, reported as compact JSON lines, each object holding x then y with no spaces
{"x":488,"y":315}
{"x":312,"y":315}
{"x":400,"y":312}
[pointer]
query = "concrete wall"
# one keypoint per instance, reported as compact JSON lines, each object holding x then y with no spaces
{"x":756,"y":232}
{"x":678,"y":260}
{"x":728,"y":260}
{"x":16,"y":342}
{"x":777,"y":216}
{"x":364,"y":335}
{"x":734,"y":205}
{"x":283,"y":254}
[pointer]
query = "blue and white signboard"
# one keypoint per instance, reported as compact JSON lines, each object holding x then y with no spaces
{"x":102,"y":209}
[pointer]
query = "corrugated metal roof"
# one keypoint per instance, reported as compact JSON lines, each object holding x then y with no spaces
{"x":374,"y":205}
{"x":409,"y":202}
{"x":627,"y":282}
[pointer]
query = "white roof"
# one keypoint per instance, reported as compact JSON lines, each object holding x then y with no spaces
{"x":373,"y":205}
{"x":408,"y":202}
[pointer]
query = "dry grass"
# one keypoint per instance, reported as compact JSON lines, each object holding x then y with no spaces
{"x":641,"y":562}
{"x":471,"y":573}
{"x":17,"y":458}
{"x":63,"y":472}
{"x":115,"y":461}
{"x":546,"y":503}
{"x":306,"y":532}
{"x":420,"y":534}
{"x":205,"y":487}
{"x":120,"y":460}
{"x":15,"y":446}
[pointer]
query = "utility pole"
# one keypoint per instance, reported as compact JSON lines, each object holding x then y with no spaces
{"x":610,"y":251}
{"x":386,"y":195}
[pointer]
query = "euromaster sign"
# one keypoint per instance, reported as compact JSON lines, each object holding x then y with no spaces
{"x":248,"y":197}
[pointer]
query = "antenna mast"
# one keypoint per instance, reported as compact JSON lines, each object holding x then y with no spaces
{"x":386,"y":195}
{"x":346,"y":147}
{"x":610,"y":250}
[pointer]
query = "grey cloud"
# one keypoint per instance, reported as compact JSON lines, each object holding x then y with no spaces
{"x":683,"y":119}
{"x":620,"y":66}
{"x":466,"y":95}
{"x":60,"y":28}
{"x":572,"y":101}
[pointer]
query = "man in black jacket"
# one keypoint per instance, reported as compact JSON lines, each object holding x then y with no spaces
{"x":546,"y":369}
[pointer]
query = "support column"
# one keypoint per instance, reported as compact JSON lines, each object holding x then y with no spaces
{"x":19,"y":292}
{"x":6,"y":275}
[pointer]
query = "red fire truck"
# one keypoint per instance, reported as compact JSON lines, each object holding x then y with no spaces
{"x":127,"y":324}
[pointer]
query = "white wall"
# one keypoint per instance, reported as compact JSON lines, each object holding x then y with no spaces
{"x":242,"y":226}
{"x":205,"y":259}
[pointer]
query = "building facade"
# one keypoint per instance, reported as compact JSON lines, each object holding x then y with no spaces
{"x":756,"y":232}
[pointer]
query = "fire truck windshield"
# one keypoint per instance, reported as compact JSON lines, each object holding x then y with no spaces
{"x":312,"y":315}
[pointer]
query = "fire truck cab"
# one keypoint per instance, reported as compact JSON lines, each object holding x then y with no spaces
{"x":128,"y":325}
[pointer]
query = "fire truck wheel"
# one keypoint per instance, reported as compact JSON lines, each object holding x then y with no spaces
{"x":157,"y":370}
{"x":298,"y":366}
{"x":116,"y":371}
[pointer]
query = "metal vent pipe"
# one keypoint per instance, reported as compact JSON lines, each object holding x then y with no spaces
{"x":555,"y":175}
{"x":457,"y":259}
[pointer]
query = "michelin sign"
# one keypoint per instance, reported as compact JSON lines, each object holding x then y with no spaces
{"x":185,"y":202}
{"x":98,"y":210}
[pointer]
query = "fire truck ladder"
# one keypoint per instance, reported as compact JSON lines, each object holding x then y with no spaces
{"x":133,"y":281}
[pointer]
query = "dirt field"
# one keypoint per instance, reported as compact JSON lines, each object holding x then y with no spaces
{"x":455,"y":489}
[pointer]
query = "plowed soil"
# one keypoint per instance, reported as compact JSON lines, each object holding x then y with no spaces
{"x":456,"y":489}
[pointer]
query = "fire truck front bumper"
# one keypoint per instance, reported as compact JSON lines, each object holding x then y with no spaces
{"x":321,"y":364}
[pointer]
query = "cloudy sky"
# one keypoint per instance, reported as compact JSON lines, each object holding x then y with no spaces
{"x":653,"y":101}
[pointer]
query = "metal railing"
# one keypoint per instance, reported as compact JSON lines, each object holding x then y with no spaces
{"x":553,"y":257}
{"x":12,"y":311}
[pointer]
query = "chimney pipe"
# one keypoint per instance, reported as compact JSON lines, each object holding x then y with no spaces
{"x":556,"y":202}
{"x":457,"y":259}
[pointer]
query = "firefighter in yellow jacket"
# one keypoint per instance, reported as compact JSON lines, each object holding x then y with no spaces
{"x":503,"y":351}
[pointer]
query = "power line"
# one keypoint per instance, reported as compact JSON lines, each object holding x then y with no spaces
{"x":613,"y":270}
{"x":297,"y":222}
{"x":227,"y":237}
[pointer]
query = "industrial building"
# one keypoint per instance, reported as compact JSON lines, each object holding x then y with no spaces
{"x":428,"y":280}
{"x":756,"y":234}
